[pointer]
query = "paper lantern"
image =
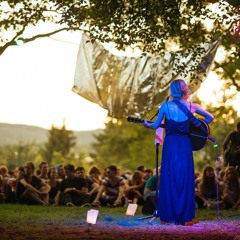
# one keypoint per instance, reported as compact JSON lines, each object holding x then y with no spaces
{"x":131,"y":209}
{"x":92,"y":216}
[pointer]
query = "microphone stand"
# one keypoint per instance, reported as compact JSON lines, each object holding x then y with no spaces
{"x":156,"y":213}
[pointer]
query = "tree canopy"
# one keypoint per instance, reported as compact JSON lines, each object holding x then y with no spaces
{"x":59,"y":145}
{"x":152,"y":26}
{"x":129,"y":145}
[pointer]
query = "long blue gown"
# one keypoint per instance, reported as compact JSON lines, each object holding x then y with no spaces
{"x":176,"y":201}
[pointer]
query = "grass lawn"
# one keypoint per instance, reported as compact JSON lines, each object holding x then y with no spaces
{"x":52,"y":222}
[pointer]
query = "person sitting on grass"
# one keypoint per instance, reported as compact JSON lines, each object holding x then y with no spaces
{"x":4,"y":177}
{"x":72,"y":190}
{"x":43,"y":170}
{"x":148,"y":174}
{"x":10,"y":189}
{"x":208,"y":188}
{"x":111,"y":190}
{"x":95,"y":175}
{"x":93,"y":187}
{"x":60,"y":171}
{"x":134,"y":188}
{"x":31,"y":189}
{"x":54,"y":183}
{"x":149,"y":193}
{"x":231,"y":190}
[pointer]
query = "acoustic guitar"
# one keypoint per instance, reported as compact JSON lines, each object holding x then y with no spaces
{"x":199,"y":135}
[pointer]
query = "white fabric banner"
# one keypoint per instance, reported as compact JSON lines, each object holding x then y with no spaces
{"x":135,"y":85}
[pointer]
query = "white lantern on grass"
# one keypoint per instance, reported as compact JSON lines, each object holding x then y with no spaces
{"x":131,"y":209}
{"x":92,"y":216}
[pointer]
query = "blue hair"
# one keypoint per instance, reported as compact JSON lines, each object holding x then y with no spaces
{"x":178,"y":88}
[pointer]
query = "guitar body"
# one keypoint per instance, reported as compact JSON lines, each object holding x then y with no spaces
{"x":199,"y":135}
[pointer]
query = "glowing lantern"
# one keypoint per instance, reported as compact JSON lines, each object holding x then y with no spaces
{"x":92,"y":216}
{"x":132,"y":207}
{"x":234,"y":3}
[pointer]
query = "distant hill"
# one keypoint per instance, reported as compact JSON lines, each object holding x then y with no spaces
{"x":15,"y":133}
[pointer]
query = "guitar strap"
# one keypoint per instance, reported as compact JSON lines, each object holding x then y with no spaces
{"x":189,"y":114}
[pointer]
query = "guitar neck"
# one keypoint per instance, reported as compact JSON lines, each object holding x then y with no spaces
{"x":199,"y":135}
{"x":138,"y":120}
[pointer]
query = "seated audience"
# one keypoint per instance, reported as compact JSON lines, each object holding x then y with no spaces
{"x":4,"y":177}
{"x":72,"y":190}
{"x":31,"y":189}
{"x":95,"y":175}
{"x":231,"y":190}
{"x":149,"y":194}
{"x":60,"y":171}
{"x":10,"y":189}
{"x":43,"y":170}
{"x":141,"y":168}
{"x":134,"y":188}
{"x":54,"y":184}
{"x":148,"y":174}
{"x":4,"y":172}
{"x":63,"y":185}
{"x":2,"y":189}
{"x":93,"y":187}
{"x":112,"y":189}
{"x":198,"y":177}
{"x":221,"y":175}
{"x":127,"y":174}
{"x":208,"y":189}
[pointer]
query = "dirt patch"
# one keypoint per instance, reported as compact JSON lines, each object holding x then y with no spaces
{"x":124,"y":228}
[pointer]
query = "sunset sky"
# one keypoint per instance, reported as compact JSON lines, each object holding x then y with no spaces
{"x":36,"y":81}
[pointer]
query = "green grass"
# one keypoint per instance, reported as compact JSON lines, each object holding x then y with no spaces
{"x":49,"y":214}
{"x":22,"y":222}
{"x":11,"y":214}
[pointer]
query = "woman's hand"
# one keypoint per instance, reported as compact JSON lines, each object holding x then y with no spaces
{"x":146,"y":124}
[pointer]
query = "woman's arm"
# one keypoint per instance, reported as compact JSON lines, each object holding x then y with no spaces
{"x":159,"y":119}
{"x":208,"y":117}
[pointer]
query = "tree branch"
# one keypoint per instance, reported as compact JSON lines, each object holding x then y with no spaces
{"x":225,"y":69}
{"x":26,"y":40}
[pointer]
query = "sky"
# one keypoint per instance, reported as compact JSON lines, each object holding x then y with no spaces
{"x":36,"y":81}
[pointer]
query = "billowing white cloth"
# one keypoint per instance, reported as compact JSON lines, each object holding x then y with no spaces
{"x":129,"y":85}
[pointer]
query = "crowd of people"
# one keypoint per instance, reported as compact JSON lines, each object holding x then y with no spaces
{"x":71,"y":186}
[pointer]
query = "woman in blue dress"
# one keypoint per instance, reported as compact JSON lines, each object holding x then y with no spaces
{"x":176,"y":201}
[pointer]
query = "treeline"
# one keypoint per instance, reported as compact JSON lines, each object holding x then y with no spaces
{"x":122,"y":143}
